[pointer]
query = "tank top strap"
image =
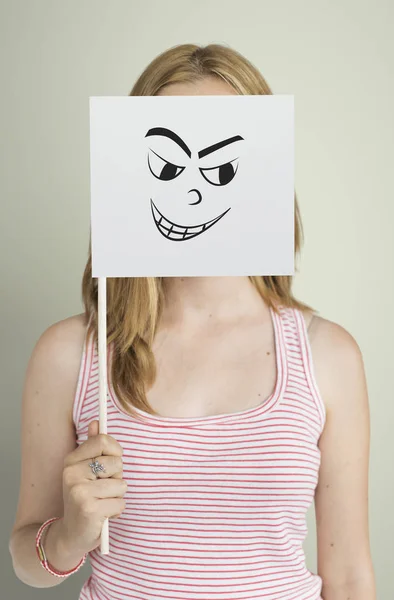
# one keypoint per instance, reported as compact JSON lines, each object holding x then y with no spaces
{"x":87,"y":377}
{"x":301,"y":377}
{"x":291,"y":335}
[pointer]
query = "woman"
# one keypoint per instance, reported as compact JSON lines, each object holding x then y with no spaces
{"x":257,"y":407}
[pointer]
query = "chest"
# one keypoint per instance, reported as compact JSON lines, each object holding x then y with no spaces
{"x":221,"y":370}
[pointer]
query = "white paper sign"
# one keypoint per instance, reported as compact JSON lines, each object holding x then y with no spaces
{"x":192,"y":185}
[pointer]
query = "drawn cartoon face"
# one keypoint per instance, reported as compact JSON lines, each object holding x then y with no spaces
{"x":166,"y":171}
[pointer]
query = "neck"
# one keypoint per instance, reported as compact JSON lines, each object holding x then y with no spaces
{"x":194,"y":300}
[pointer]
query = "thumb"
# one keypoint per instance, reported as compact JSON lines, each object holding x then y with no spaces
{"x":93,"y":428}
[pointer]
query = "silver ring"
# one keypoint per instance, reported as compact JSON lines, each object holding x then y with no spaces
{"x":96,"y":467}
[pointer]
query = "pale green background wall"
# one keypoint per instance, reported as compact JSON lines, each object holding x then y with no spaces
{"x":336,"y":57}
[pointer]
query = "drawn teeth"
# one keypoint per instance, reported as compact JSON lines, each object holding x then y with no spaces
{"x":177,"y":232}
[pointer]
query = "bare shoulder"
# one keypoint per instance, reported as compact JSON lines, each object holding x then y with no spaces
{"x":63,"y":340}
{"x":57,"y":354}
{"x":337,"y":358}
{"x":71,"y":328}
{"x":330,"y":338}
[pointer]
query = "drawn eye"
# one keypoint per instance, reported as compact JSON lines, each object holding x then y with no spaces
{"x":162,"y":169}
{"x":221,"y":175}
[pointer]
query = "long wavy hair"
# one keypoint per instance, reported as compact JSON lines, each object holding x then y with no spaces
{"x":134,"y":304}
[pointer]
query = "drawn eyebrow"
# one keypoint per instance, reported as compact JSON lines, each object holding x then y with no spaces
{"x":172,"y":135}
{"x":215,"y":147}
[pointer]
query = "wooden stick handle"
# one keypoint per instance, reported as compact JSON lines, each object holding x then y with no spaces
{"x":102,"y":356}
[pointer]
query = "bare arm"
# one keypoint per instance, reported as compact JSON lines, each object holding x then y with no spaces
{"x":341,"y":499}
{"x":47,"y":436}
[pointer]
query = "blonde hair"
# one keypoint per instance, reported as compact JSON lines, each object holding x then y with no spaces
{"x":134,"y":304}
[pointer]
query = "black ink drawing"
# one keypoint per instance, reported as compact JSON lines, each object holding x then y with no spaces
{"x":164,"y":170}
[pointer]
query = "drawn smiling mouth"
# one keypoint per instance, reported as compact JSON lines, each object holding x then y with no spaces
{"x":176,"y":232}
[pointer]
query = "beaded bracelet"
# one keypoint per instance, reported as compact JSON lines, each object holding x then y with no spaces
{"x":42,"y":556}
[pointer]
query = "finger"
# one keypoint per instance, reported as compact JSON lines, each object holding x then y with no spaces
{"x":111,"y":508}
{"x":108,"y":488}
{"x":118,"y":475}
{"x":113,"y":465}
{"x":101,"y":444}
{"x":73,"y":474}
{"x":93,"y":428}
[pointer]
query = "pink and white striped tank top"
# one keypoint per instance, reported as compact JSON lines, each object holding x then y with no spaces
{"x":215,"y":506}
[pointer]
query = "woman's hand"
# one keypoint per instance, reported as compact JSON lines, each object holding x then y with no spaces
{"x":88,"y":500}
